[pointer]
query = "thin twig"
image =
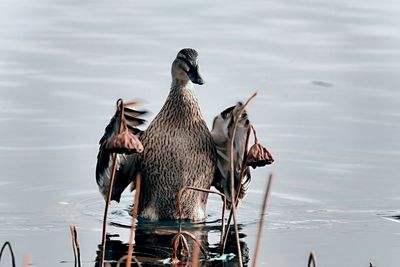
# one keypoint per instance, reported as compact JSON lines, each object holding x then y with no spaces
{"x":121,"y":260}
{"x":133,"y":225}
{"x":110,"y":188}
{"x":11,"y":252}
{"x":75,"y":245}
{"x":193,"y":237}
{"x":177,"y":235}
{"x":233,"y":197}
{"x":262,"y":215}
{"x":196,"y":255}
{"x":179,"y":239}
{"x":312,"y":259}
{"x":180,"y":193}
{"x":27,"y":261}
{"x":242,"y":171}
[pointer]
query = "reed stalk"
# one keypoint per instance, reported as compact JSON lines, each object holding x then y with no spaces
{"x":176,"y":243}
{"x":110,"y":187}
{"x":7,"y":244}
{"x":242,"y":170}
{"x":180,"y":193}
{"x":233,"y":197}
{"x":196,"y":255}
{"x":262,"y":215}
{"x":75,"y":246}
{"x":121,"y":260}
{"x":312,"y":260}
{"x":133,"y":225}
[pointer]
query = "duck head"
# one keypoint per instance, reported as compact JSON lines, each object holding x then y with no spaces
{"x":185,"y":67}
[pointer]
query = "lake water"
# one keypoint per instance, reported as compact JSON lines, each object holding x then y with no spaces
{"x":328,"y":108}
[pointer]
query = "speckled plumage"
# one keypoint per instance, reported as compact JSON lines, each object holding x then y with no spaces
{"x":179,"y":152}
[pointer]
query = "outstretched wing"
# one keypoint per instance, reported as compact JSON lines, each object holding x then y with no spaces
{"x":126,"y":164}
{"x":222,"y":132}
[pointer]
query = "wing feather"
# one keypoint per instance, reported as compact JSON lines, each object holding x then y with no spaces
{"x":222,"y":135}
{"x":126,"y":164}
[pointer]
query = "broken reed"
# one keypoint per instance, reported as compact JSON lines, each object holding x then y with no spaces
{"x":233,"y":197}
{"x":109,"y":192}
{"x":178,"y":239}
{"x":242,"y":171}
{"x":133,"y":225}
{"x":180,"y":193}
{"x":312,"y":259}
{"x":261,"y":223}
{"x":7,"y":244}
{"x":75,"y":246}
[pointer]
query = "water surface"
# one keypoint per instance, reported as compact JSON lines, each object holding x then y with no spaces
{"x":328,"y":109}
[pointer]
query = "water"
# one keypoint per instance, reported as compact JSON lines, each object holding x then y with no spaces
{"x":328,"y":109}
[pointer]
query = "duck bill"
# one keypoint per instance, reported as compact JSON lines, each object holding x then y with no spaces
{"x":194,"y":76}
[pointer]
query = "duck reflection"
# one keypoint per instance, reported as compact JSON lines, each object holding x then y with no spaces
{"x":153,"y":245}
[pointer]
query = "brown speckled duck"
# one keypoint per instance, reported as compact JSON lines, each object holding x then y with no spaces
{"x":179,"y":151}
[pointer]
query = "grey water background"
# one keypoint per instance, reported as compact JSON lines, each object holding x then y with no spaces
{"x":327,"y":73}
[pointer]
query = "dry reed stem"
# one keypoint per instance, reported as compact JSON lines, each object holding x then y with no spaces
{"x":180,"y":193}
{"x":242,"y":170}
{"x":121,"y":260}
{"x":179,"y":239}
{"x":176,"y":243}
{"x":11,"y":252}
{"x":133,"y":225}
{"x":75,"y":246}
{"x":181,"y":233}
{"x":262,"y":215}
{"x":312,"y":259}
{"x":27,"y":261}
{"x":233,"y":197}
{"x":110,"y":187}
{"x":196,"y":256}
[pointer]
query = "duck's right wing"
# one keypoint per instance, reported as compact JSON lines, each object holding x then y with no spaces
{"x":222,"y":135}
{"x":127,"y":165}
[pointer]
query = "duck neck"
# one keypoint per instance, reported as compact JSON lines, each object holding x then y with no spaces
{"x":181,"y":106}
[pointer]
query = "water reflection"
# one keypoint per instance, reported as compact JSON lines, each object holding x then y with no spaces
{"x":153,"y":244}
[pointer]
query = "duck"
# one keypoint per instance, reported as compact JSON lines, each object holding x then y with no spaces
{"x":179,"y":151}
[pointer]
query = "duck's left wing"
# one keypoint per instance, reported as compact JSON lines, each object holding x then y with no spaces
{"x":126,"y":164}
{"x":222,"y":132}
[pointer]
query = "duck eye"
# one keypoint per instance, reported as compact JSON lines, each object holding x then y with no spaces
{"x":188,"y":64}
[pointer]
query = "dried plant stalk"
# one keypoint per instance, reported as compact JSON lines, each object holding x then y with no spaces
{"x":121,"y":260}
{"x":312,"y":259}
{"x":176,"y":244}
{"x":133,"y":225}
{"x":109,"y":193}
{"x":242,"y":171}
{"x":11,"y":252}
{"x":179,"y":240}
{"x":262,"y":215}
{"x":196,"y":255}
{"x":233,"y":197}
{"x":27,"y":261}
{"x":75,"y":245}
{"x":180,"y":193}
